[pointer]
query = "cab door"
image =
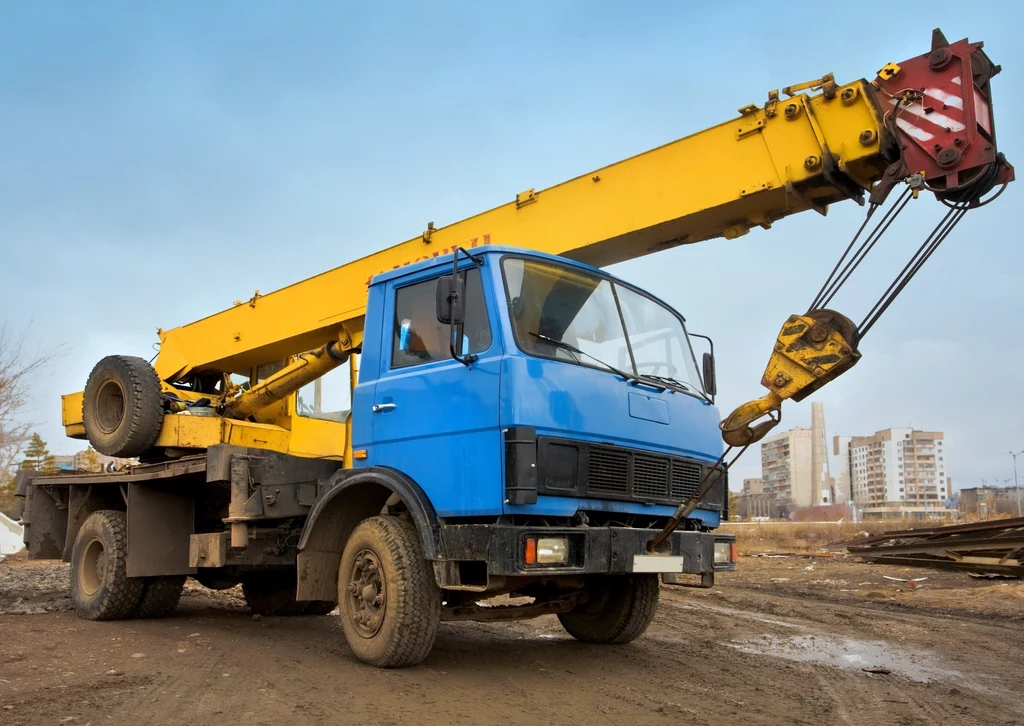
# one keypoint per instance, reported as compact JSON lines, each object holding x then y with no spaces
{"x":434,"y":418}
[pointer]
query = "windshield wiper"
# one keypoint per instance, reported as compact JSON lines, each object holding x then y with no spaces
{"x":577,"y":353}
{"x":669,"y":380}
{"x":684,"y":387}
{"x":662,"y":383}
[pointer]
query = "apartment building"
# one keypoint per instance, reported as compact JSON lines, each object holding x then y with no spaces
{"x":896,"y":473}
{"x":989,"y":501}
{"x":786,"y":468}
{"x":753,"y":486}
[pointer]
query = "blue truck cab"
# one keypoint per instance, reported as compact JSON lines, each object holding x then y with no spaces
{"x":522,"y":425}
{"x":565,"y":408}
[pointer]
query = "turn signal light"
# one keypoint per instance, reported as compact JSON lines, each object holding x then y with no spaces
{"x":530,"y":556}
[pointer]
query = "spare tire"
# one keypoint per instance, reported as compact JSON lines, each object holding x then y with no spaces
{"x":122,"y":408}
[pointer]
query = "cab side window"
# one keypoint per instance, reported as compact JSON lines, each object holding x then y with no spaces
{"x":419,"y":338}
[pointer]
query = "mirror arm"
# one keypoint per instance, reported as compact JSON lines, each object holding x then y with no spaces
{"x":453,"y":329}
{"x":703,"y":383}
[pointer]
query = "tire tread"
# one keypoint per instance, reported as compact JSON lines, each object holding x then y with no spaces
{"x":144,"y":413}
{"x":160,"y":596}
{"x":417,"y":609}
{"x":118,"y":594}
{"x":633,"y":603}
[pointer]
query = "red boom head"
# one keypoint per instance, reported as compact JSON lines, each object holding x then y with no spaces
{"x":938,"y":109}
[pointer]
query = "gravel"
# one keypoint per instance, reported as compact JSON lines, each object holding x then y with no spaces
{"x":33,"y":588}
{"x":36,"y":587}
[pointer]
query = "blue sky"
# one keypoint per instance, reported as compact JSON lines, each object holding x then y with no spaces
{"x":160,"y":161}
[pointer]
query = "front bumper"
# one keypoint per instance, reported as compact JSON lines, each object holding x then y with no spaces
{"x":593,"y":550}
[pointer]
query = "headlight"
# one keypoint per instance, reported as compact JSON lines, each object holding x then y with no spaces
{"x":552,"y":551}
{"x":546,"y":551}
{"x":724,"y":553}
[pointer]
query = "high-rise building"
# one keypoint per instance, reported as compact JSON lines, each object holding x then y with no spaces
{"x":786,"y":468}
{"x":822,"y":484}
{"x":897,"y":473}
{"x":841,"y":450}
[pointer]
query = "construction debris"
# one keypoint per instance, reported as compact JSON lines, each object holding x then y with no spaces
{"x":994,"y":547}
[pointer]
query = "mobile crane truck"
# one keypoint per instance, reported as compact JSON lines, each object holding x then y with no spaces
{"x":482,"y":410}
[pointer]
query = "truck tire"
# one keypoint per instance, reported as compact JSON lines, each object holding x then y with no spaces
{"x":122,"y":407}
{"x":272,"y":593}
{"x":619,"y":610}
{"x":160,"y":596}
{"x":389,"y":602}
{"x":100,"y":586}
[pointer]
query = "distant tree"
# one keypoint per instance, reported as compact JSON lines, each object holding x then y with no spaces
{"x":37,"y":456}
{"x":7,"y":500}
{"x":734,"y":504}
{"x":91,"y":460}
{"x":18,"y":366}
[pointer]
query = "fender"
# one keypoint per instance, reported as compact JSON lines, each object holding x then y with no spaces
{"x":355,"y":495}
{"x":363,"y":485}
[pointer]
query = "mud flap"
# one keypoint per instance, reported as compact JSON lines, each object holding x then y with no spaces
{"x":161,"y":521}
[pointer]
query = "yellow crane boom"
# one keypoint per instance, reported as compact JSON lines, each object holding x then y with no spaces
{"x":798,"y":154}
{"x":798,"y":151}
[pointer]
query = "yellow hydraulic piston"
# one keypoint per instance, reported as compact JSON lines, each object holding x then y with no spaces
{"x":306,"y":368}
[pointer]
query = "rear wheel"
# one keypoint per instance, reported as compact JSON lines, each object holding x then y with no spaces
{"x":272,"y":593}
{"x":100,"y":586}
{"x":619,"y":609}
{"x":122,"y":408}
{"x":389,"y":602}
{"x":160,"y":596}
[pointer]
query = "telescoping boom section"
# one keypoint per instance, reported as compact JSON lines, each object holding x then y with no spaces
{"x":927,"y":120}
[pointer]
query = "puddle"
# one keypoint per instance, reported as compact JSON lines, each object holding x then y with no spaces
{"x":849,"y":653}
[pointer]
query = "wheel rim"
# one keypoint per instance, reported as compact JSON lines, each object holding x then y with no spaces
{"x":366,"y":600}
{"x":597,"y":605}
{"x":92,"y":567}
{"x":109,"y":406}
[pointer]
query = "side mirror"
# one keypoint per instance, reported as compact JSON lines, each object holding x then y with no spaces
{"x":450,"y":297}
{"x":710,"y":384}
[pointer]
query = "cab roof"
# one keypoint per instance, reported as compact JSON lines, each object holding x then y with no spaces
{"x":446,"y":260}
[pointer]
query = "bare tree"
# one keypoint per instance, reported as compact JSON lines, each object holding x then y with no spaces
{"x":18,"y":364}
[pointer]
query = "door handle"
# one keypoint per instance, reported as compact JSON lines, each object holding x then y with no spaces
{"x":380,"y":407}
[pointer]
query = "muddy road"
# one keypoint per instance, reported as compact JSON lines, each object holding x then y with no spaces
{"x":776,"y":643}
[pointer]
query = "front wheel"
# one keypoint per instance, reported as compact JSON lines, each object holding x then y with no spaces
{"x":389,"y":602}
{"x":619,"y":609}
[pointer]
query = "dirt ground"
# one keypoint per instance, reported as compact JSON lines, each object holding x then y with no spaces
{"x":782,"y":641}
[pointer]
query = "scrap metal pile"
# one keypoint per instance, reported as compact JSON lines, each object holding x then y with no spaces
{"x":993,"y":547}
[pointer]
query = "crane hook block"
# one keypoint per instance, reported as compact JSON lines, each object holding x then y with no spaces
{"x":811,"y":350}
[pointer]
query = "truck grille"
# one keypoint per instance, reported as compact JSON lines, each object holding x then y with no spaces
{"x":686,"y":478}
{"x":609,"y":472}
{"x":572,"y":468}
{"x":620,"y":473}
{"x":650,"y":477}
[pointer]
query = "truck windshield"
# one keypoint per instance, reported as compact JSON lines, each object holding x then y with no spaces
{"x":569,"y":314}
